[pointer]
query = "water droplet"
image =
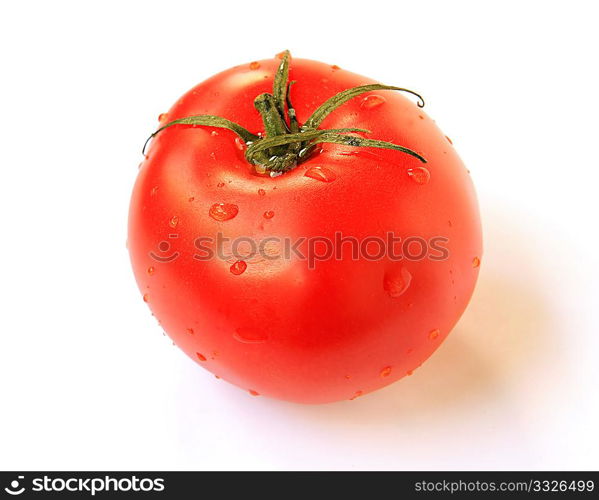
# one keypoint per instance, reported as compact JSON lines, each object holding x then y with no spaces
{"x":200,"y":356}
{"x":190,"y":331}
{"x":254,"y":65}
{"x":348,"y":377}
{"x":372,"y":101}
{"x":475,"y":262}
{"x":419,"y":175}
{"x":409,"y":373}
{"x":162,"y":117}
{"x":250,"y":335}
{"x":449,"y":140}
{"x":385,"y":372}
{"x":260,"y":169}
{"x":357,"y":394}
{"x":146,"y":297}
{"x":223,"y":211}
{"x":397,"y":282}
{"x":174,"y":221}
{"x":434,"y":334}
{"x":151,"y":270}
{"x":214,"y":133}
{"x":220,"y":184}
{"x":253,"y":393}
{"x":421,"y":117}
{"x":269,"y":214}
{"x":261,"y":192}
{"x":240,"y":144}
{"x":321,"y":174}
{"x":191,"y":198}
{"x":334,"y":66}
{"x":154,"y":191}
{"x":238,"y":267}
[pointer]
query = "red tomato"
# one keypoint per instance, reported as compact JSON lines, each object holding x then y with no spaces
{"x":286,"y":327}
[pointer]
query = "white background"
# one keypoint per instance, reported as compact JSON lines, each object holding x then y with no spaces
{"x":87,"y":379}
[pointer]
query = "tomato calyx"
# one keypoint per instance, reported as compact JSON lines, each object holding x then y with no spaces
{"x":286,"y":143}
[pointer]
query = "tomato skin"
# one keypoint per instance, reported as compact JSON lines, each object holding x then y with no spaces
{"x":278,"y":328}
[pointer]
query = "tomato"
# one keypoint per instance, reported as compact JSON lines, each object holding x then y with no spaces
{"x":323,"y":326}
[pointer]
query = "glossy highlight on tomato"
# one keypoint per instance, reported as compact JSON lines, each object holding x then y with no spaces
{"x":279,"y":327}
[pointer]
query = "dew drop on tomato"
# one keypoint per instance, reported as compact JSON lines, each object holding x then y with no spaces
{"x":321,"y":174}
{"x":434,"y":334}
{"x":419,"y":175}
{"x":357,"y":394}
{"x":240,"y":143}
{"x":238,"y":267}
{"x":200,"y":356}
{"x":259,"y":169}
{"x":475,"y":262}
{"x":269,"y":214}
{"x":151,"y":270}
{"x":250,"y":336}
{"x":385,"y":372}
{"x":261,"y":192}
{"x":397,"y":282}
{"x":372,"y":101}
{"x":223,"y":211}
{"x":174,"y":221}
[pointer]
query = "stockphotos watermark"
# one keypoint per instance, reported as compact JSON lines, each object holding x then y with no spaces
{"x":312,"y":249}
{"x":86,"y":485}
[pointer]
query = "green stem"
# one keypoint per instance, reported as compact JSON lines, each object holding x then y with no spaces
{"x":274,"y":124}
{"x":286,"y":142}
{"x":279,"y":89}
